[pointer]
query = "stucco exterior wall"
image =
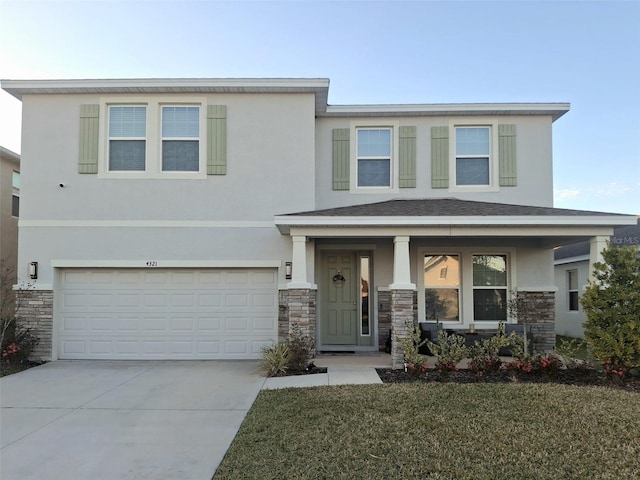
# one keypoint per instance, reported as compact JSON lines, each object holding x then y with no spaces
{"x":534,"y":162}
{"x":570,"y":323}
{"x":270,"y":170}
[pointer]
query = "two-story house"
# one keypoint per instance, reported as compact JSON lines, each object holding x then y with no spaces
{"x":202,"y":218}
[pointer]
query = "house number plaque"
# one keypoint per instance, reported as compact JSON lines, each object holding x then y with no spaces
{"x":152,"y":263}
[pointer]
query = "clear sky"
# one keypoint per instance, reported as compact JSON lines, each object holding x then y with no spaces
{"x":585,"y":53}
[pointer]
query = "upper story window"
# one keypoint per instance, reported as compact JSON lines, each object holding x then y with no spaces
{"x":127,"y":138}
{"x":180,"y":138}
{"x":374,"y":147}
{"x":15,"y":197}
{"x":153,"y":137}
{"x":473,"y":156}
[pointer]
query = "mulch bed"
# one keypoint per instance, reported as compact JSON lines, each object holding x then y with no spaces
{"x":566,"y":377}
{"x":311,"y":369}
{"x":11,"y":368}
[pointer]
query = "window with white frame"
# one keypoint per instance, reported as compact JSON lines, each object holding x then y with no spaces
{"x":374,"y":158}
{"x":127,"y":138}
{"x":489,"y":288}
{"x":572,"y":283}
{"x":15,"y":197}
{"x":442,"y":287}
{"x":180,"y":138}
{"x":472,"y":156}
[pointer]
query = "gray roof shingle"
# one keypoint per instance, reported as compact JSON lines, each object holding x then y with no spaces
{"x":443,"y":207}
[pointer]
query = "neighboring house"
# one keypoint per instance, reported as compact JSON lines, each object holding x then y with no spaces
{"x":202,"y":218}
{"x":573,"y":271}
{"x":9,"y":210}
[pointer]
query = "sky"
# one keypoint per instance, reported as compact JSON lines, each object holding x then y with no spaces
{"x":584,"y":53}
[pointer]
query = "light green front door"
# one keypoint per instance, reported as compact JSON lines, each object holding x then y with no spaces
{"x":340,"y":299}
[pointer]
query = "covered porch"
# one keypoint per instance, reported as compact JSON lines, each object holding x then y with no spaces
{"x":363,"y":275}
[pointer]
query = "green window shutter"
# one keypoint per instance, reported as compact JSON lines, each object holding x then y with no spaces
{"x":407,"y":157}
{"x":89,"y":134}
{"x":216,"y":140}
{"x":341,"y":159}
{"x":439,"y":157}
{"x":507,"y":153}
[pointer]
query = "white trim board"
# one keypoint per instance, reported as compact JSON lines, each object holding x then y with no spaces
{"x":147,"y":223}
{"x":159,"y":263}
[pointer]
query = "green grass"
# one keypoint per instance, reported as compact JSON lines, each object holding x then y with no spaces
{"x":439,"y":431}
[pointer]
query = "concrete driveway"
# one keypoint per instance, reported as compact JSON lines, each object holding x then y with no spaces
{"x":123,"y":419}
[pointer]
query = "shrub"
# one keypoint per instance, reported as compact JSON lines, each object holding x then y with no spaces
{"x":484,"y":354}
{"x":485,"y":365}
{"x":615,"y":370}
{"x":549,"y":365}
{"x":519,"y":367}
{"x":301,"y":349}
{"x":16,"y":342}
{"x":292,"y":356}
{"x":449,"y":350}
{"x":571,"y":350}
{"x":415,"y":362}
{"x":612,"y":306}
{"x":274,"y":360}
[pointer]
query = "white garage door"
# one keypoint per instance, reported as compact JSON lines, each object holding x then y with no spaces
{"x":166,"y":313}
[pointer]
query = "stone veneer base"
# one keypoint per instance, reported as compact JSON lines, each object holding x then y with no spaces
{"x":35,"y":312}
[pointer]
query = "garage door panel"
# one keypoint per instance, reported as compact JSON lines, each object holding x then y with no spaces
{"x":210,"y":300}
{"x":101,"y":324}
{"x":150,"y":300}
{"x":265,"y":323}
{"x":164,"y":314}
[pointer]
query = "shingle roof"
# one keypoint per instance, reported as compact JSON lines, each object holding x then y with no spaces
{"x":443,"y":207}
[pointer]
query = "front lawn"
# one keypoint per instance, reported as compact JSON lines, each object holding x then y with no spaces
{"x":439,"y":431}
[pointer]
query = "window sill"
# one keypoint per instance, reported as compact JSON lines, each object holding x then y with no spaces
{"x":154,"y":175}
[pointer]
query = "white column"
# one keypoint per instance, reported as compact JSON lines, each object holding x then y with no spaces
{"x":299,"y":277}
{"x":401,"y":265}
{"x":597,"y":244}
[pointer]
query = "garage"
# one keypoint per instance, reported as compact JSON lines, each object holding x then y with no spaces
{"x":155,"y":313}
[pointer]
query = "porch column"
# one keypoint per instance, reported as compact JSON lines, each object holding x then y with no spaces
{"x":403,"y":299}
{"x":597,"y":244}
{"x":299,"y":277}
{"x":401,"y":265}
{"x":298,"y":302}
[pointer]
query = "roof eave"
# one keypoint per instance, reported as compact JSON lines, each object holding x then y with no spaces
{"x":317,"y":86}
{"x":555,"y":110}
{"x":285,"y":222}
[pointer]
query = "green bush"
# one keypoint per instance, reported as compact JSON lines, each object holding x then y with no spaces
{"x":274,"y":360}
{"x":414,"y":360}
{"x":450,"y":350}
{"x":16,"y":342}
{"x":612,"y":306}
{"x":484,"y":354}
{"x":291,"y":356}
{"x":301,"y":349}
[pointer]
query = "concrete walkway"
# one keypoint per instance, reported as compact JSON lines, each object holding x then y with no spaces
{"x":341,"y":370}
